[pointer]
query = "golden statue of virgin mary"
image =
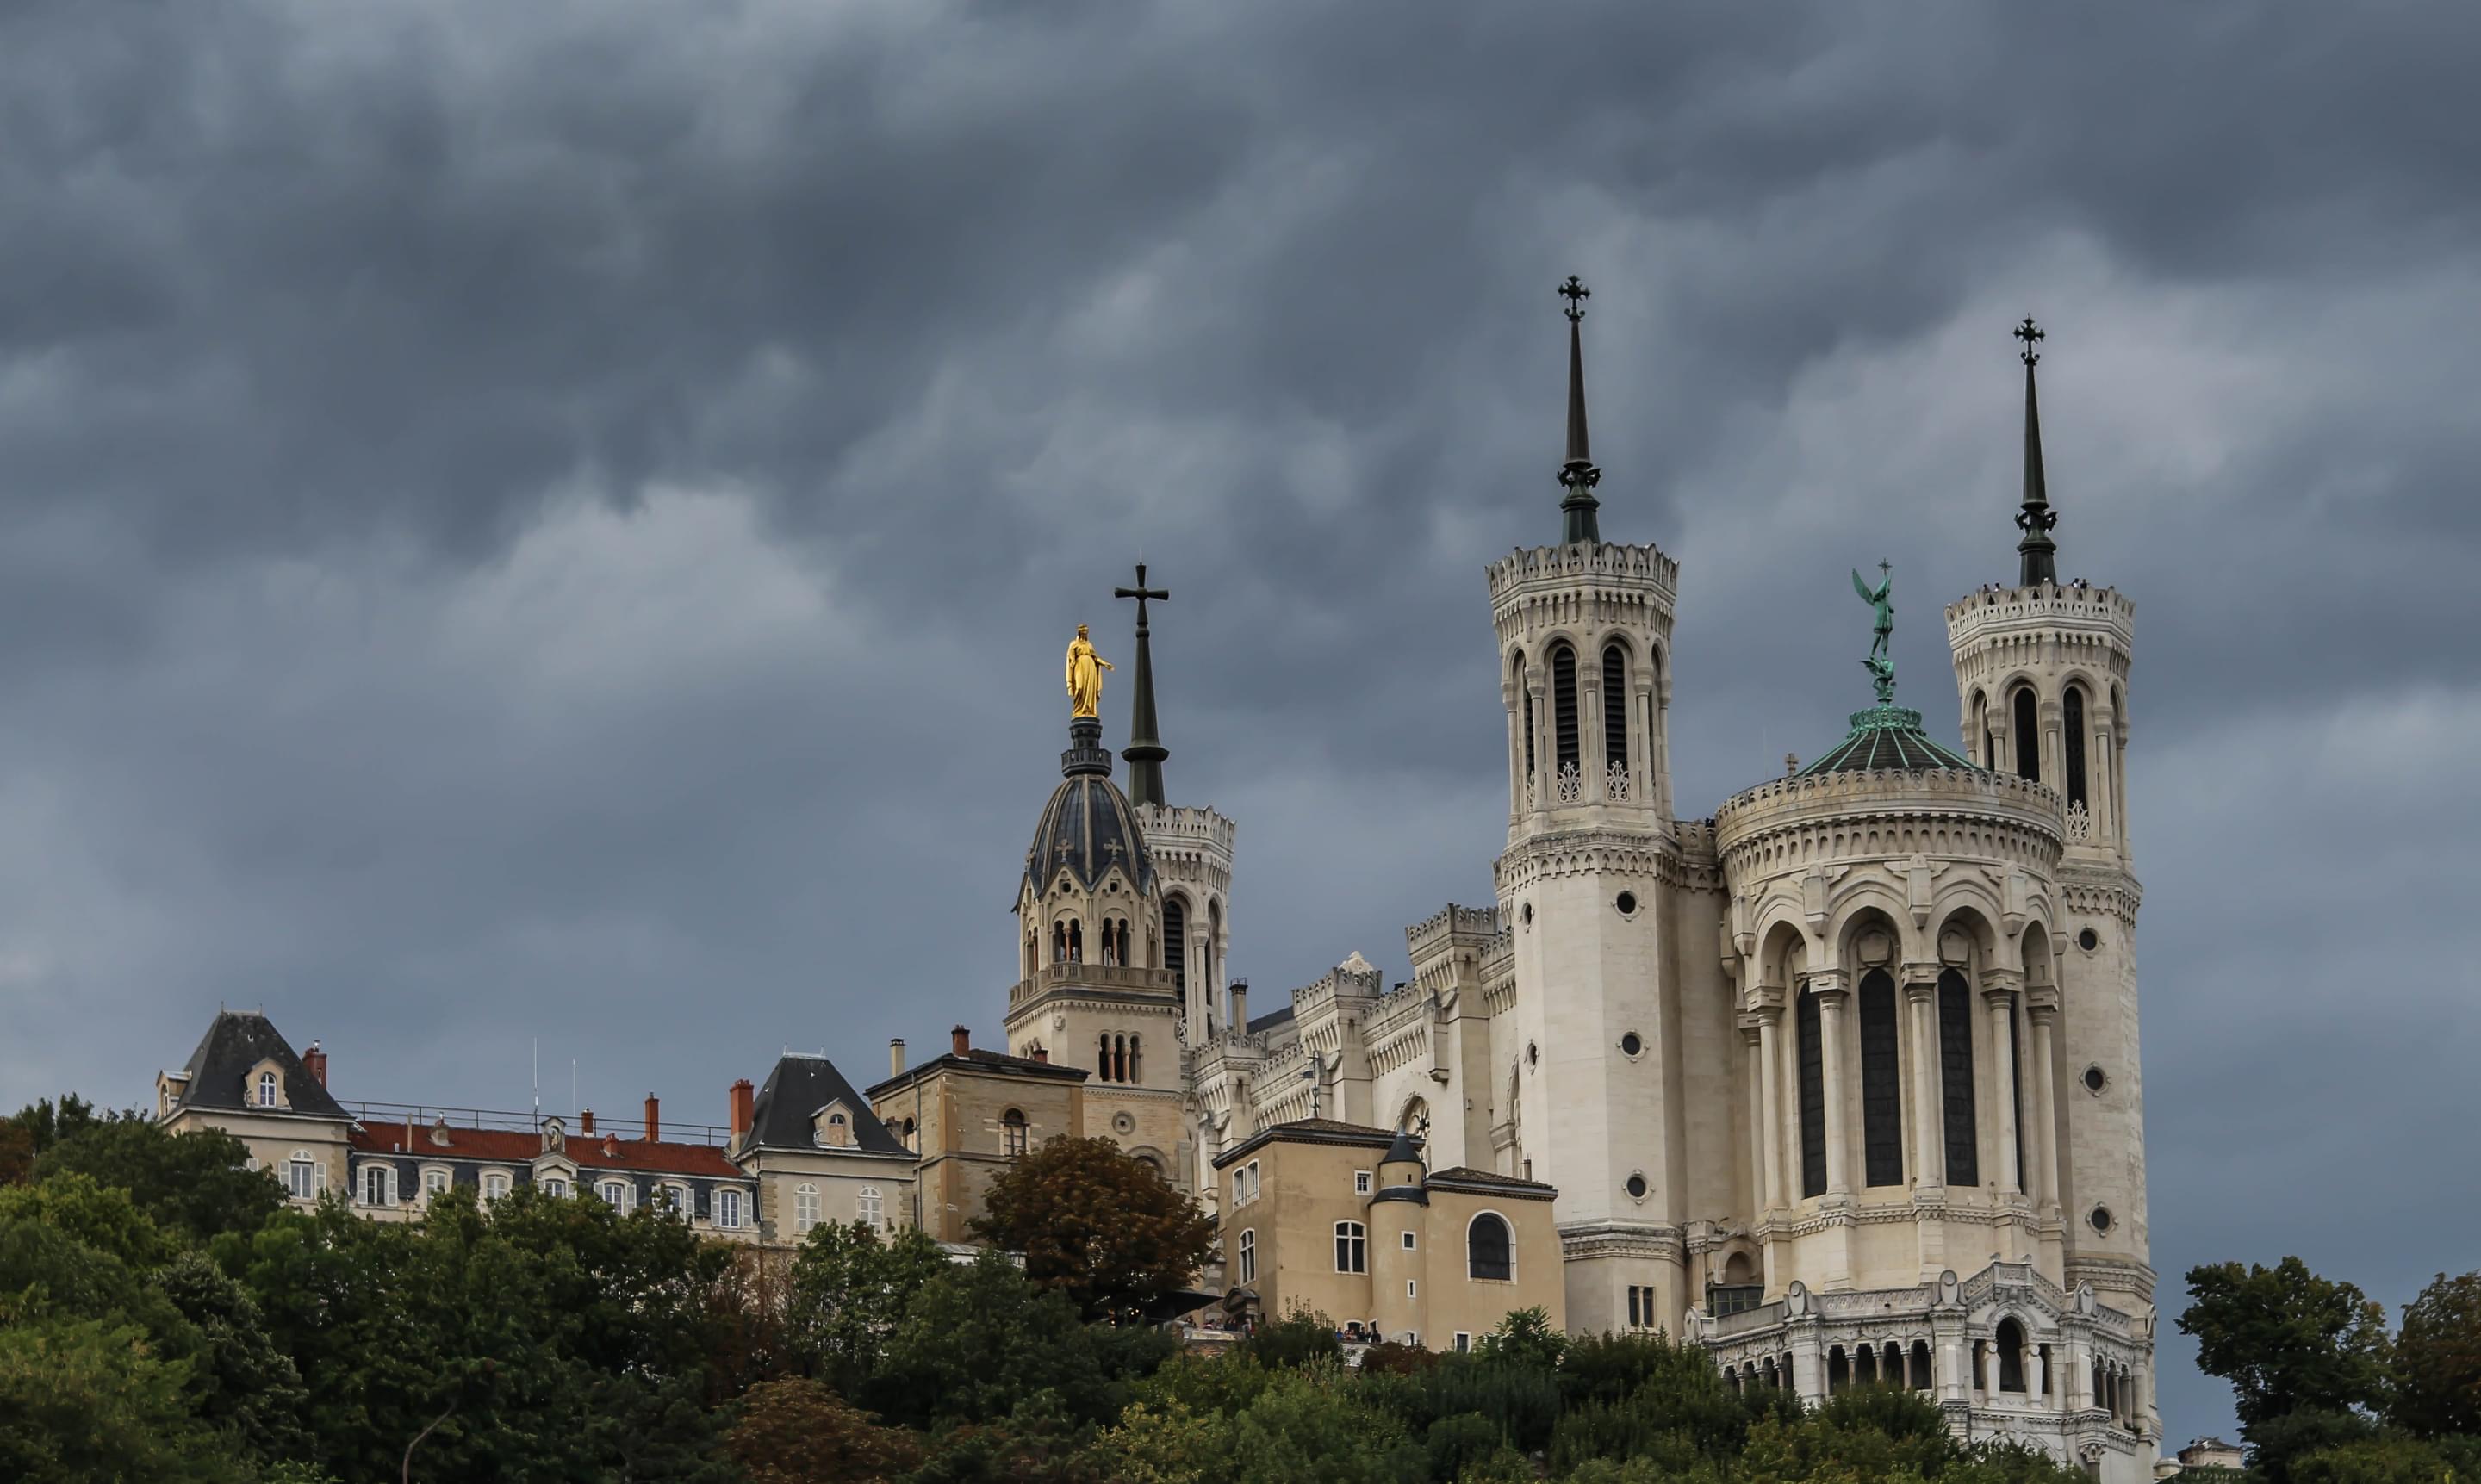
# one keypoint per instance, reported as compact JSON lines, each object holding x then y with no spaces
{"x":1085,"y":675}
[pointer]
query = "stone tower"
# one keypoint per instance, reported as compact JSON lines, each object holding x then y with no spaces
{"x":2041,"y":673}
{"x":1585,"y":888}
{"x":1093,"y":990}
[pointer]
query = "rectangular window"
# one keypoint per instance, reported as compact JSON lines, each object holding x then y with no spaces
{"x":1249,"y":1262}
{"x":1464,"y":1341}
{"x":805,"y":1208}
{"x":375,"y":1184}
{"x":868,"y":1205}
{"x":555,"y":1188}
{"x":1408,"y":1288}
{"x":1637,"y":1316}
{"x":727,"y":1208}
{"x":435,"y":1181}
{"x":494,"y":1186}
{"x":1813,"y":1095}
{"x":301,"y":1179}
{"x":1361,"y":1182}
{"x":1408,"y":1241}
{"x":1351,"y":1248}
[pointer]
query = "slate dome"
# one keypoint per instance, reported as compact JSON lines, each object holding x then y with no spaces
{"x":1088,"y":826}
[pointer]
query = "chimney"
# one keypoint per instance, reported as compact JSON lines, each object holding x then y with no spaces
{"x":744,"y":1107}
{"x":896,"y":1056}
{"x":654,"y":1120}
{"x":585,"y":1120}
{"x":1042,"y":1053}
{"x":315,"y":1062}
{"x":1241,"y":1005}
{"x":963,"y":1038}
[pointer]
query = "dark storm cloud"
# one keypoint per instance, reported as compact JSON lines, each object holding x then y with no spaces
{"x":558,"y":520}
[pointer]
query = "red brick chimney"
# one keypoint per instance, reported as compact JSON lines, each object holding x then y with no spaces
{"x":744,"y":1102}
{"x":315,"y":1062}
{"x":1042,"y":1053}
{"x":586,"y":1121}
{"x":654,"y":1122}
{"x":963,"y":1039}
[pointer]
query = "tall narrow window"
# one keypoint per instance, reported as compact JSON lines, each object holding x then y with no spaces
{"x":1489,"y":1254}
{"x":1012,"y":1134}
{"x":1176,"y":947}
{"x":1981,"y":731}
{"x":2028,"y":735}
{"x":869,"y":1206}
{"x":2016,"y":1088}
{"x":1955,"y":1077}
{"x":727,"y":1210}
{"x":267,"y":1089}
{"x":1615,"y":708}
{"x":1137,"y":1054}
{"x":805,"y":1207}
{"x":2011,"y":1356}
{"x":1351,"y":1247}
{"x":2072,"y":744}
{"x":375,"y":1184}
{"x":1564,"y":707}
{"x":1525,"y":704}
{"x":1249,"y":1255}
{"x":1882,"y":1095}
{"x":1812,"y":1097}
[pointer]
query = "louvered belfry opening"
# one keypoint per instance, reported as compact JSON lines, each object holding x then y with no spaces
{"x":1882,"y":1095}
{"x":1615,"y":707}
{"x":2075,"y":743}
{"x":1955,"y":1078}
{"x":1525,"y":703}
{"x":1176,"y":945}
{"x":2028,"y":735}
{"x":1812,"y":1097}
{"x":1564,"y":705}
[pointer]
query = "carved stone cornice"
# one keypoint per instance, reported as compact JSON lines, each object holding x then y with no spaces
{"x":1647,"y":854}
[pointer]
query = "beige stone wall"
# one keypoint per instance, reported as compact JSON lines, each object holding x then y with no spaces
{"x":272,"y":1139}
{"x":840,"y":1180}
{"x":960,"y":1141}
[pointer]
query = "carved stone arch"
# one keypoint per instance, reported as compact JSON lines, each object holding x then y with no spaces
{"x":1970,"y":909}
{"x":1865,"y":890}
{"x":1783,"y":947}
{"x":1865,"y":918}
{"x":1412,"y":1116}
{"x":2033,"y":954}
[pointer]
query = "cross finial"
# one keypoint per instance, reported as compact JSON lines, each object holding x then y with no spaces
{"x":2030,"y":333}
{"x":1884,"y":568}
{"x":1141,"y":592}
{"x":1576,"y":294}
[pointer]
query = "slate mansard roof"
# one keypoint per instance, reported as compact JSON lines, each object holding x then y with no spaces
{"x":797,"y":1091}
{"x":1088,"y":827}
{"x":236,"y":1041}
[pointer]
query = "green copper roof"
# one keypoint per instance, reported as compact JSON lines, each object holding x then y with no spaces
{"x":1886,"y":736}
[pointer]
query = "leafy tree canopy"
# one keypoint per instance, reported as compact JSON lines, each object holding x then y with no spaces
{"x":1097,"y":1225}
{"x":2437,"y":1360}
{"x":2287,"y":1339}
{"x":195,"y":1183}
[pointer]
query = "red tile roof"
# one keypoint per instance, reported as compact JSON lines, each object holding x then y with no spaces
{"x":586,"y":1150}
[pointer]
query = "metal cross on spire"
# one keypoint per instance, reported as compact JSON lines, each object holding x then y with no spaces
{"x":1141,"y":592}
{"x":1145,"y":752}
{"x":1576,"y":294}
{"x":2029,"y":334}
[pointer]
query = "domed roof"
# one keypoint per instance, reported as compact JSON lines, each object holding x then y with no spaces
{"x":1088,"y":826}
{"x":1883,"y":737}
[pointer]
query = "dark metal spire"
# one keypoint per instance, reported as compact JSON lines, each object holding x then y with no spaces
{"x":1578,"y":475}
{"x":2037,"y":551}
{"x":1145,"y":750}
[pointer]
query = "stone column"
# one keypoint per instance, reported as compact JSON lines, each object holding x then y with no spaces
{"x":1998,"y":996}
{"x":1590,"y":759}
{"x":1753,"y":1065}
{"x":2034,"y":1379}
{"x":1827,"y":984}
{"x":2042,"y":1009}
{"x":1546,"y":746}
{"x":1641,"y":746}
{"x":1920,"y":1014}
{"x":1513,"y":697}
{"x":1770,"y":1099}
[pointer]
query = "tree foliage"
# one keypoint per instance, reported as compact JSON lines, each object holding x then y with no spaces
{"x":1100,"y":1226}
{"x":2437,"y":1360}
{"x":195,"y":1183}
{"x":2287,"y":1339}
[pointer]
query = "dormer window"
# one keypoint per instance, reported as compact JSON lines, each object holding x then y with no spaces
{"x":833,"y":1130}
{"x":614,"y":1193}
{"x":266,"y":1087}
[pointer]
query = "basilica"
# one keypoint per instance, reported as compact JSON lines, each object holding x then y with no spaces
{"x":1839,"y":1077}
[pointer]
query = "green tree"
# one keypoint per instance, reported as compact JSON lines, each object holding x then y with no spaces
{"x":195,"y":1183}
{"x":2287,"y":1339}
{"x":85,"y":1400}
{"x":36,"y":1128}
{"x":979,"y":1338}
{"x":1301,"y":1338}
{"x":1098,"y":1226}
{"x":2437,"y":1360}
{"x":848,"y":1289}
{"x":798,"y":1431}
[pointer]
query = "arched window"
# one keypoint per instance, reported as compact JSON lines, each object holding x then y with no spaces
{"x":1921,"y":1365}
{"x":1955,"y":1076}
{"x":1012,"y":1132}
{"x":2028,"y":735}
{"x":614,"y":1193}
{"x":2072,"y":744}
{"x":1881,"y":1092}
{"x":1525,"y":704}
{"x":727,"y":1210}
{"x":1563,"y":708}
{"x":301,"y":1176}
{"x":1838,"y":1370}
{"x":1059,"y":943}
{"x":266,"y":1089}
{"x":1176,"y":945}
{"x":1102,"y":1056}
{"x":1489,"y":1253}
{"x":869,"y":1206}
{"x":1813,"y":1096}
{"x":554,"y":1189}
{"x":494,"y":1185}
{"x":1615,"y":707}
{"x":1248,"y":1261}
{"x":805,"y":1207}
{"x":1351,"y":1248}
{"x":2011,"y":1356}
{"x":1980,"y":737}
{"x":376,"y":1180}
{"x":1136,"y":1060}
{"x":1076,"y":941}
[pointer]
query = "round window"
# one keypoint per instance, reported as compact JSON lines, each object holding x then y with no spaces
{"x":1632,"y":1045}
{"x":1626,"y":902}
{"x":1123,"y":1123}
{"x":2096,"y":1079}
{"x":1636,"y":1188}
{"x":2088,"y":940}
{"x":2101,"y":1218}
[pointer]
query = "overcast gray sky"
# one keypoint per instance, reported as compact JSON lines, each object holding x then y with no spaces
{"x":560,"y":520}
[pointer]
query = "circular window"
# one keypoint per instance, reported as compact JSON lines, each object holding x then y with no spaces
{"x":1532,"y":1055}
{"x":1636,"y":1188}
{"x":2096,"y":1079}
{"x":1626,"y":902}
{"x":2088,"y":940}
{"x":2100,"y":1216}
{"x":1123,"y":1123}
{"x":1631,"y":1045}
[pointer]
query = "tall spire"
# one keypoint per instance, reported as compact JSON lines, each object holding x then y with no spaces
{"x":1578,"y":475}
{"x":1145,"y":750}
{"x":2036,"y":551}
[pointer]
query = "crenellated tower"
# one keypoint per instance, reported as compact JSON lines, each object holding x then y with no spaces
{"x":2041,"y":674}
{"x":1584,"y":886}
